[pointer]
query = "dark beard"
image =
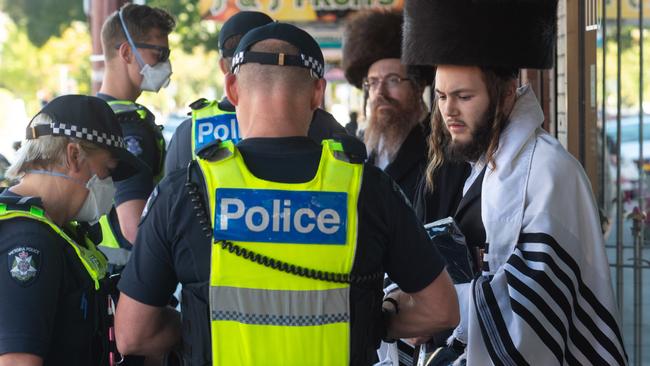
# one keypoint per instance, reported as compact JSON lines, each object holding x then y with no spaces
{"x":394,"y":127}
{"x":471,"y":151}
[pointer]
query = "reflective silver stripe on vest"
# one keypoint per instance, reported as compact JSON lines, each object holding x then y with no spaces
{"x":116,"y":256}
{"x":279,"y":307}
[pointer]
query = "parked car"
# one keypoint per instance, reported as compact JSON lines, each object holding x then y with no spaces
{"x":630,"y":160}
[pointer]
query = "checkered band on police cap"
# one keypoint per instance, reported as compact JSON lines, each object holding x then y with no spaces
{"x":84,"y":133}
{"x":309,"y":57}
{"x":91,"y":119}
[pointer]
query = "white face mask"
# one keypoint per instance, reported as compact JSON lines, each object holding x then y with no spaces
{"x":156,"y":77}
{"x":99,"y":200}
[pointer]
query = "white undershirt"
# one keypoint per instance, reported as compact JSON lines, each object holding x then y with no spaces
{"x":477,"y":167}
{"x":382,"y":159}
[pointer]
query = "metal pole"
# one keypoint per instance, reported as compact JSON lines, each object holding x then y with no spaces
{"x":619,"y":198}
{"x":99,"y":11}
{"x":603,"y":113}
{"x":582,"y":123}
{"x":638,"y":278}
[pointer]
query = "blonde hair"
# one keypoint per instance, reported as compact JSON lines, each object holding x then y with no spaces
{"x":45,"y":152}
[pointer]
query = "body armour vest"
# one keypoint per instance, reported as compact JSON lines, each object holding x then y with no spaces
{"x":96,"y":326}
{"x":211,"y":124}
{"x":282,"y":256}
{"x":118,"y":251}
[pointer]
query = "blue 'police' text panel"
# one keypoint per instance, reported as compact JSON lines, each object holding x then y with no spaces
{"x":223,"y":127}
{"x":275,"y":216}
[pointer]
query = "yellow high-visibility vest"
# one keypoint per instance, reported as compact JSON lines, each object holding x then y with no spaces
{"x":262,"y":315}
{"x":92,"y":259}
{"x":209,"y":123}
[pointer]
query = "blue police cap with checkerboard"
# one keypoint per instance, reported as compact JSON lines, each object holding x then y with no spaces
{"x":92,"y":119}
{"x":309,"y":54}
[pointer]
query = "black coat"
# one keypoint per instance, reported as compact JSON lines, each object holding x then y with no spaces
{"x":468,"y":215}
{"x":447,"y":200}
{"x":410,"y":162}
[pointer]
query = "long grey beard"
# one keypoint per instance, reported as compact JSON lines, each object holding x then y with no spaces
{"x":385,"y":134}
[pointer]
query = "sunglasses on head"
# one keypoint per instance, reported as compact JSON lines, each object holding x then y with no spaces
{"x":163,"y":52}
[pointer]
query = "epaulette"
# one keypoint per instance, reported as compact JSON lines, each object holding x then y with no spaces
{"x":199,"y":103}
{"x":354,"y":148}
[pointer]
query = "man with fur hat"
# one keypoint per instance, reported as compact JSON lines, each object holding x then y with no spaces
{"x":545,"y":295}
{"x":396,"y":133}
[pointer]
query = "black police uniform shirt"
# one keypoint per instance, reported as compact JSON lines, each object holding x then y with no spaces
{"x":140,"y":142}
{"x":47,"y":310}
{"x":179,"y":153}
{"x":172,"y":248}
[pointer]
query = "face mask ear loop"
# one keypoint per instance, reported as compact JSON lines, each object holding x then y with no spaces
{"x":130,"y":41}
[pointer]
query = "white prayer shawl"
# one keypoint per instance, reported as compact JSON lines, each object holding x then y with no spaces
{"x":545,"y":295}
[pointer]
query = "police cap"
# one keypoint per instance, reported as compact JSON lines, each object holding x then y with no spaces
{"x":309,"y":55}
{"x":91,"y":119}
{"x":240,"y":24}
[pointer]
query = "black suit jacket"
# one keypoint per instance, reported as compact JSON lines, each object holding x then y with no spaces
{"x":410,"y":162}
{"x":468,"y":215}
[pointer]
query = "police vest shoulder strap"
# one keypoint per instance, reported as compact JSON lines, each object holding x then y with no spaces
{"x":217,"y":151}
{"x":349,"y":150}
{"x":92,"y":260}
{"x":127,"y":106}
{"x":206,"y":109}
{"x":199,"y":104}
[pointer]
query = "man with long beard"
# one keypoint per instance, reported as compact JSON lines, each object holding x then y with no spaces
{"x":397,"y":127}
{"x":396,"y":131}
{"x":544,"y":296}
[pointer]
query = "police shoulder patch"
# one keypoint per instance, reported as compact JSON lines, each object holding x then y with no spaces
{"x":133,"y":144}
{"x":24,"y":264}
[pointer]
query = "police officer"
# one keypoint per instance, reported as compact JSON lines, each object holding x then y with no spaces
{"x":136,"y":54}
{"x":53,"y":286}
{"x":281,"y":244}
{"x":212,"y":120}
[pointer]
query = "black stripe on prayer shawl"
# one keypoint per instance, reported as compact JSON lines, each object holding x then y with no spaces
{"x":600,"y":310}
{"x":544,"y":281}
{"x":555,"y":295}
{"x":541,"y":332}
{"x":493,"y":329}
{"x":535,"y":324}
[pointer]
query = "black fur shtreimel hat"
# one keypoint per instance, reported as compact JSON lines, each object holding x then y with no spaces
{"x":369,"y":36}
{"x":506,"y":34}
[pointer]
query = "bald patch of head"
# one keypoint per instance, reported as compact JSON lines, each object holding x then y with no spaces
{"x":274,"y":77}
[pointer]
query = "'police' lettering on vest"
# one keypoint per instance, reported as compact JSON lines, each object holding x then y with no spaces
{"x":223,"y":127}
{"x":275,"y":216}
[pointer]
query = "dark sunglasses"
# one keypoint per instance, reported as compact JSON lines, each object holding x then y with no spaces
{"x":163,"y":52}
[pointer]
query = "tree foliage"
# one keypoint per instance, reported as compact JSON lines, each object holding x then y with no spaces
{"x":43,"y":19}
{"x":62,"y":64}
{"x":191,"y":29}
